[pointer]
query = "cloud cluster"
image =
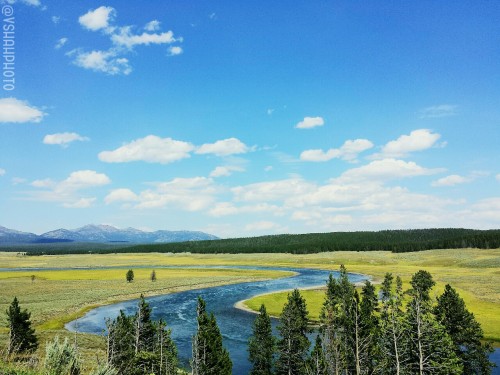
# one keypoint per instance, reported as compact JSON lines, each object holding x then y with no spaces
{"x":450,"y":180}
{"x":68,"y":190}
{"x":349,"y":151}
{"x":417,"y":140}
{"x":123,"y":39}
{"x":19,"y":111}
{"x":154,"y":149}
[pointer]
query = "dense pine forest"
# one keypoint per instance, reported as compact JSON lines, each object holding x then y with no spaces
{"x":397,"y":241}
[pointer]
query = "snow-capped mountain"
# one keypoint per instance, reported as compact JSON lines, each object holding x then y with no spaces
{"x":102,"y":234}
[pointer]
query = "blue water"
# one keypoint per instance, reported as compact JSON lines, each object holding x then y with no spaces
{"x":179,"y":311}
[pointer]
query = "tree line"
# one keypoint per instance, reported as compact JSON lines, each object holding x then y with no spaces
{"x":397,"y":241}
{"x":389,"y":332}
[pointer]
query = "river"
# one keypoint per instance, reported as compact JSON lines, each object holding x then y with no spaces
{"x":179,"y":311}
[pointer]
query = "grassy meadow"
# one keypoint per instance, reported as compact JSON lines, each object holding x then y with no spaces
{"x":58,"y":296}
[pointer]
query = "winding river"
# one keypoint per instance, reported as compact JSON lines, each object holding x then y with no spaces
{"x":179,"y":311}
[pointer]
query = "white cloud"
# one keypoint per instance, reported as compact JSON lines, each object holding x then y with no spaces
{"x":175,"y":50}
{"x":224,"y":147}
{"x":121,"y":195}
{"x":102,"y":61}
{"x":67,"y":191}
{"x":268,"y":168}
{"x":56,"y":19}
{"x":152,"y":26}
{"x":2,"y":172}
{"x":348,"y":151}
{"x":15,"y":110}
{"x":187,"y":194}
{"x":151,"y":149}
{"x":442,"y":110}
{"x":97,"y":19}
{"x":498,"y":177}
{"x":224,"y":171}
{"x":417,"y":140}
{"x":387,"y":169}
{"x":126,"y":39}
{"x":35,"y":3}
{"x":310,"y":122}
{"x":61,"y":42}
{"x":272,"y":190}
{"x":63,"y":139}
{"x":450,"y":180}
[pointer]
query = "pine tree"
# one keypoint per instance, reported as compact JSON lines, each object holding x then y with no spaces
{"x":316,"y":363}
{"x":153,"y":276}
{"x":392,"y":340}
{"x":209,"y":355}
{"x":22,"y":337}
{"x":369,"y":328}
{"x":465,"y":332}
{"x":144,"y":327}
{"x":293,"y":344}
{"x":129,"y":276}
{"x":262,"y":345}
{"x":431,"y":348}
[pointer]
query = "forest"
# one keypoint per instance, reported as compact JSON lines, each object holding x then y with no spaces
{"x":362,"y":330}
{"x":397,"y":241}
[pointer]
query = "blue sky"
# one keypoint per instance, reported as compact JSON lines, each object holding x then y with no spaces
{"x":249,"y":118}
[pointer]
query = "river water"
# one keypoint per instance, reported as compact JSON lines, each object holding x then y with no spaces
{"x":179,"y":311}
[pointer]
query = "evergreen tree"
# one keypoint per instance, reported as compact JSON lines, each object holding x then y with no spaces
{"x":465,"y":332}
{"x":431,"y":348}
{"x":316,"y":363}
{"x":293,"y":345}
{"x":368,"y":328}
{"x":129,"y":276}
{"x":120,"y":342}
{"x":22,"y":337}
{"x":209,"y":355}
{"x":153,"y":276}
{"x":262,"y":345}
{"x":392,"y":341}
{"x":144,"y":328}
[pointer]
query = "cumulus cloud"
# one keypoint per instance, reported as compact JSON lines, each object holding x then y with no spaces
{"x":151,"y":149}
{"x":127,"y":39}
{"x":224,"y":171}
{"x":68,"y":190}
{"x":35,"y":3}
{"x":417,"y":140}
{"x":19,"y":111}
{"x":436,"y":111}
{"x":97,"y":19}
{"x":188,"y":194}
{"x":348,"y":151}
{"x":175,"y":50}
{"x":225,"y":147}
{"x":388,"y":169}
{"x":310,"y":122}
{"x":101,"y":61}
{"x":121,"y":195}
{"x":61,"y":42}
{"x":63,"y":139}
{"x":450,"y":180}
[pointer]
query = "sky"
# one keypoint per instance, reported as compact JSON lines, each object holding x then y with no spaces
{"x":250,"y":118}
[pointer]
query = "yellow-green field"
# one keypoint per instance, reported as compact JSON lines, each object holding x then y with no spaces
{"x":56,"y":297}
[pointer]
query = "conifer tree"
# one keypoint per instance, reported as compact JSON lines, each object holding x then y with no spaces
{"x":465,"y":332}
{"x":316,"y":363}
{"x":392,"y":340}
{"x":431,"y":348}
{"x":129,"y":276}
{"x":262,"y":345}
{"x":209,"y":355}
{"x":22,"y":337}
{"x":293,"y":345}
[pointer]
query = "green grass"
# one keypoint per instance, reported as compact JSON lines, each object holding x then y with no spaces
{"x":56,"y":297}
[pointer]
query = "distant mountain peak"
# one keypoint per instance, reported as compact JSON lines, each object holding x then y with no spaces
{"x":102,"y":233}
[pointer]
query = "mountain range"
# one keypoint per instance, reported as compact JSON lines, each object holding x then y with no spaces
{"x":101,"y":234}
